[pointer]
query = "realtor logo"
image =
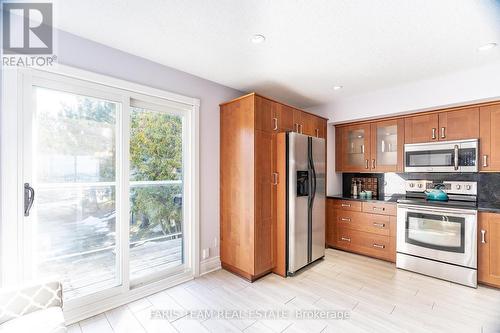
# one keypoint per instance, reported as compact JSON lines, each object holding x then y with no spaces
{"x":27,"y":28}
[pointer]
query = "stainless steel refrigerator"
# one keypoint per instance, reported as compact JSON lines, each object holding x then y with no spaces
{"x":306,"y":187}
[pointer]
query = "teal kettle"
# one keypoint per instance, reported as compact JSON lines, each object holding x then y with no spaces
{"x":437,"y":193}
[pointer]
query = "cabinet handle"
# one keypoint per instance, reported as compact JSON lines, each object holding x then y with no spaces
{"x":379,"y":208}
{"x":443,"y":132}
{"x":379,"y":225}
{"x":345,"y":219}
{"x":483,"y":236}
{"x":433,"y":134}
{"x":345,"y":239}
{"x":378,"y":246}
{"x":367,"y":166}
{"x":485,"y":160}
{"x":373,"y":164}
{"x":317,"y":133}
{"x":275,"y":124}
{"x":346,"y":205}
{"x":275,"y":178}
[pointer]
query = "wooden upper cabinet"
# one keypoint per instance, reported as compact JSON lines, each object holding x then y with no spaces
{"x":459,"y":124}
{"x":489,"y":138}
{"x":264,"y":114}
{"x":422,"y":128}
{"x":488,"y":266}
{"x":298,"y":125}
{"x":308,"y":124}
{"x":443,"y":126}
{"x":387,"y":141}
{"x":356,"y":148}
{"x":284,"y":115}
{"x":320,"y":127}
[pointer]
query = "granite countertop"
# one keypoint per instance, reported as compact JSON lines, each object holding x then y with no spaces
{"x":394,"y":198}
{"x":490,"y":208}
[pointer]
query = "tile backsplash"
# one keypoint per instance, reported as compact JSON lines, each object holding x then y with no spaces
{"x":394,"y":183}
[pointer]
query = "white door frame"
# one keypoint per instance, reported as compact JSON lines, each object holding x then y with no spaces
{"x":16,"y":81}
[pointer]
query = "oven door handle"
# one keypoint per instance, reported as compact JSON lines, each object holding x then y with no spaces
{"x":436,"y":210}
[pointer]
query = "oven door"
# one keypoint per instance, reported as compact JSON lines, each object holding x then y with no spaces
{"x":444,"y":234}
{"x":450,"y":156}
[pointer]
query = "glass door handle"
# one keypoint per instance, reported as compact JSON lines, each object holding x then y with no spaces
{"x":29,"y":198}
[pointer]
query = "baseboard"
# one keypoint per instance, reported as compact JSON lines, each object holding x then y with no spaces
{"x":210,"y":265}
{"x":86,"y":311}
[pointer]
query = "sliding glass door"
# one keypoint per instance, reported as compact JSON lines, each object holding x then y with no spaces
{"x":73,"y":234}
{"x":156,"y":190}
{"x":109,"y":174}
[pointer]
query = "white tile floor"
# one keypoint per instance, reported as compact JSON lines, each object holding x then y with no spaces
{"x":379,"y":297}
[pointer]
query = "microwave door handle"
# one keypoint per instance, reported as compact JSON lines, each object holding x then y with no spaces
{"x":456,"y":157}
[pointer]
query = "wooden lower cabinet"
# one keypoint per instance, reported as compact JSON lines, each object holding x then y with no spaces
{"x":357,"y":227}
{"x":488,"y":246}
{"x":365,"y":243}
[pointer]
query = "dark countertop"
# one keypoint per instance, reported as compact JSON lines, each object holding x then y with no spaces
{"x":393,"y":198}
{"x":491,"y":209}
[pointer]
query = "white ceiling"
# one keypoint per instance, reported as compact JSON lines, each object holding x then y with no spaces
{"x":310,"y":46}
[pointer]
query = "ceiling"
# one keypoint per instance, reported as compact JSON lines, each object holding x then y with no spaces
{"x":310,"y":46}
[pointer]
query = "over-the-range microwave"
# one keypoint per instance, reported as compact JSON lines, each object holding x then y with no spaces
{"x":443,"y":156}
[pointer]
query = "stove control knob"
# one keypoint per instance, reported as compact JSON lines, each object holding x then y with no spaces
{"x":468,"y":187}
{"x":458,"y":187}
{"x":412,"y":185}
{"x":420,"y":185}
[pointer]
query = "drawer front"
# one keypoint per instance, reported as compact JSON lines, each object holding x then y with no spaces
{"x":349,"y":205}
{"x":372,"y":223}
{"x":376,"y":246}
{"x":379,"y":208}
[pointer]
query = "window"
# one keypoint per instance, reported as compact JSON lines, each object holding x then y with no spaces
{"x":114,"y":169}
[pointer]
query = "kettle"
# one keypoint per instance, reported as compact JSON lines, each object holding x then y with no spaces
{"x":436,"y":194}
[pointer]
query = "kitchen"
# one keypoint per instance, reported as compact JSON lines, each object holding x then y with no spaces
{"x":418,"y":191}
{"x":250,"y":166}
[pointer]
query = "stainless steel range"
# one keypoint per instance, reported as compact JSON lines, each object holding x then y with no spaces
{"x":439,"y":238}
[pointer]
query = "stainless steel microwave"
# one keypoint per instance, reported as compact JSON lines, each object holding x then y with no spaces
{"x":443,"y":156}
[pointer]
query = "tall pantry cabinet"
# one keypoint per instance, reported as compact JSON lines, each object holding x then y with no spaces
{"x":249,"y":179}
{"x":248,"y":189}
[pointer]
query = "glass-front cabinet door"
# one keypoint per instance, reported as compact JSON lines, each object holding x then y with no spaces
{"x":356,"y":148}
{"x":387,"y":146}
